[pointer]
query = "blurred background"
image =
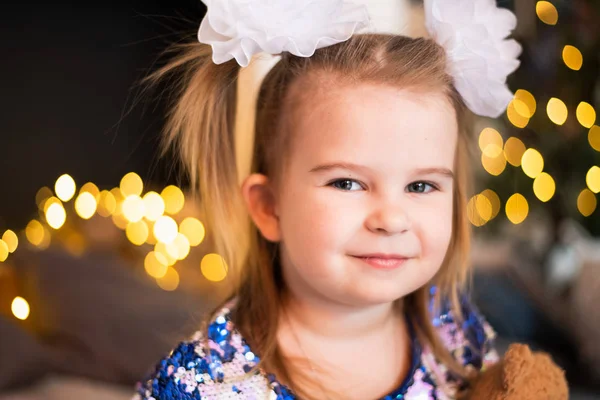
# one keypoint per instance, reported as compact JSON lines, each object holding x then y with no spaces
{"x":105,"y":263}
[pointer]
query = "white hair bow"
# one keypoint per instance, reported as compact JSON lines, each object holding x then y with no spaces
{"x":473,"y":32}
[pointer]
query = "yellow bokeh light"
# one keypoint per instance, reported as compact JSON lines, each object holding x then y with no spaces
{"x":151,"y":239}
{"x":525,"y":103}
{"x":65,"y":187}
{"x":547,"y":12}
{"x":107,"y":204}
{"x":49,"y":201}
{"x":137,"y":232}
{"x":572,"y":57}
{"x":165,"y":229}
{"x":75,"y":244}
{"x":490,"y":142}
{"x":131,"y":185}
{"x":532,"y":163}
{"x":517,"y":208}
{"x":586,"y":202}
{"x":170,"y":281}
{"x":494,"y":200}
{"x":11,"y":240}
{"x":513,"y":151}
{"x":173,"y":198}
{"x":34,"y":232}
{"x":3,"y":251}
{"x":586,"y":115}
{"x":119,"y":220}
{"x":193,"y":229}
{"x":183,"y":246}
{"x":594,"y":137}
{"x":168,"y":250}
{"x":514,"y":117}
{"x":154,"y":206}
{"x":494,"y":166}
{"x":557,"y":111}
{"x":155,"y":265}
{"x":117,"y":194}
{"x":56,"y":215}
{"x":133,"y":208}
{"x":479,"y":210}
{"x":85,"y":205}
{"x":42,"y":195}
{"x":592,"y":179}
{"x":213,"y":267}
{"x":20,"y":308}
{"x":91,"y":188}
{"x":544,"y":187}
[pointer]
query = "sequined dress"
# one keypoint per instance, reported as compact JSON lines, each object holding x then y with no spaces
{"x":189,"y":372}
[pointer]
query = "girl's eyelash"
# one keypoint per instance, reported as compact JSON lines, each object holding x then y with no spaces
{"x":433,"y":186}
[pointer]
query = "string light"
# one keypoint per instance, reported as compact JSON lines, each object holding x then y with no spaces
{"x":494,"y":200}
{"x":65,"y":187}
{"x":165,"y":229}
{"x":91,"y":188}
{"x":173,"y":198}
{"x":131,"y":185}
{"x":20,"y":308}
{"x":193,"y":229}
{"x":514,"y":149}
{"x":11,"y":239}
{"x":524,"y":103}
{"x":532,"y":163}
{"x":544,"y":187}
{"x":546,"y":12}
{"x":517,"y":208}
{"x":154,"y":206}
{"x":586,"y":115}
{"x":572,"y":57}
{"x":86,"y":205}
{"x":593,"y":179}
{"x":557,"y":111}
{"x":490,"y":142}
{"x":213,"y":267}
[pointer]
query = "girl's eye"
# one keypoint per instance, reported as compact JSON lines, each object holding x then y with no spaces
{"x":420,"y":187}
{"x":346,"y":185}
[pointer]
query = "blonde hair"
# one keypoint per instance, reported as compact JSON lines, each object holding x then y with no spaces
{"x":200,"y":128}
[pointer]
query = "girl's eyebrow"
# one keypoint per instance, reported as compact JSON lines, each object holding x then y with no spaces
{"x":356,"y":167}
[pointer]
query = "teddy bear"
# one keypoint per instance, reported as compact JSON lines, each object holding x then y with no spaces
{"x":521,"y":375}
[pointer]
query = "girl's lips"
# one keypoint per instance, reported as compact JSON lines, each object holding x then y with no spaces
{"x":383,"y":263}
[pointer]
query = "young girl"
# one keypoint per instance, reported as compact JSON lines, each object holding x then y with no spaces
{"x":353,"y":268}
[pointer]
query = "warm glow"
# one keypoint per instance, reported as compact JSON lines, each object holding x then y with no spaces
{"x":494,"y":200}
{"x":131,"y":185}
{"x":532,"y":163}
{"x":91,"y":188}
{"x":586,"y":115}
{"x":11,"y":240}
{"x":154,"y":206}
{"x":572,"y":57}
{"x":35,"y":232}
{"x":119,"y":220}
{"x":133,"y":208}
{"x":75,"y":244}
{"x":173,"y":198}
{"x":517,"y":208}
{"x":170,"y":281}
{"x":524,"y":103}
{"x":544,"y":187}
{"x":56,"y":215}
{"x":557,"y":111}
{"x":594,"y":137}
{"x":155,"y":265}
{"x":20,"y":308}
{"x":586,"y":203}
{"x":42,"y":195}
{"x":49,"y":201}
{"x":593,"y":179}
{"x":479,"y":210}
{"x":494,"y":166}
{"x":490,"y":142}
{"x":546,"y":12}
{"x":65,"y":187}
{"x":107,"y":204}
{"x":85,"y":205}
{"x":514,"y":117}
{"x":193,"y":230}
{"x":137,"y":232}
{"x":183,"y":246}
{"x":513,"y":151}
{"x":168,"y":250}
{"x":3,"y":251}
{"x":213,"y":267}
{"x":165,"y":229}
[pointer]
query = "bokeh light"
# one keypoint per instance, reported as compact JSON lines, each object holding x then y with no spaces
{"x":165,"y":229}
{"x":154,"y":206}
{"x":3,"y":251}
{"x":85,"y":205}
{"x":42,"y":195}
{"x":90,"y":187}
{"x":586,"y":202}
{"x":547,"y":12}
{"x":517,"y":208}
{"x":586,"y":115}
{"x":65,"y":187}
{"x":131,"y":185}
{"x":572,"y":57}
{"x":532,"y":163}
{"x":34,"y":232}
{"x":183,"y":246}
{"x":514,"y":117}
{"x":20,"y":308}
{"x":592,"y":179}
{"x":557,"y":111}
{"x":11,"y":239}
{"x":213,"y":267}
{"x":490,"y":142}
{"x":524,"y":103}
{"x":479,"y":210}
{"x":170,"y":281}
{"x":193,"y":229}
{"x":544,"y":187}
{"x":137,"y":232}
{"x":514,"y":149}
{"x":107,"y":204}
{"x":133,"y":208}
{"x":155,"y":264}
{"x":494,"y":200}
{"x":173,"y":198}
{"x":56,"y":215}
{"x":169,"y":250}
{"x":594,"y":137}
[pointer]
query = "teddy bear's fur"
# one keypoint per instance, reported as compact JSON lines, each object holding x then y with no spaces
{"x":521,"y":375}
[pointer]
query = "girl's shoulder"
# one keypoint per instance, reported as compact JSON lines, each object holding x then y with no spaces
{"x":214,"y":363}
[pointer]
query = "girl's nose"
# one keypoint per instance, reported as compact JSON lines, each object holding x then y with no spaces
{"x":389,"y":218}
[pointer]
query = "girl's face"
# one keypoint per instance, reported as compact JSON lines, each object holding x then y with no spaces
{"x":370,"y":173}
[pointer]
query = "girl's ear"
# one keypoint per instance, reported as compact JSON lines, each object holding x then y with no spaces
{"x":260,"y":201}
